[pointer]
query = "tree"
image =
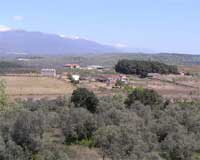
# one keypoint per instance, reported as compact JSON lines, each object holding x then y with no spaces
{"x":145,"y":96}
{"x":124,"y":142}
{"x":3,"y":96}
{"x":28,"y":130}
{"x":85,"y":99}
{"x":78,"y":124}
{"x":142,"y":68}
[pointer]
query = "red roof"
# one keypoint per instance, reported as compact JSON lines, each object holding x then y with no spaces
{"x":71,"y":65}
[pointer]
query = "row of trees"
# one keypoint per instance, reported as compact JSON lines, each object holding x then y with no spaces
{"x":14,"y":67}
{"x":140,"y":126}
{"x":142,"y":68}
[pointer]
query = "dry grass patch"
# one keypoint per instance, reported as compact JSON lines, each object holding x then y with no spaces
{"x":24,"y":85}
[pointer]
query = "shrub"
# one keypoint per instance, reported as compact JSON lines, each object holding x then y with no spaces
{"x":78,"y":124}
{"x":85,"y":99}
{"x":28,"y":130}
{"x":3,"y":96}
{"x":145,"y":96}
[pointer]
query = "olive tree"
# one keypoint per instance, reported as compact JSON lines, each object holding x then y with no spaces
{"x":78,"y":124}
{"x":28,"y":130}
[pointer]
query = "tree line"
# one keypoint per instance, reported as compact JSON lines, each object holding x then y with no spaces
{"x":142,"y":68}
{"x":15,"y":67}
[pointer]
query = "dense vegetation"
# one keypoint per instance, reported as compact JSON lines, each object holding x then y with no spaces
{"x":141,"y":126}
{"x":145,"y":96}
{"x":14,"y":67}
{"x":142,"y":68}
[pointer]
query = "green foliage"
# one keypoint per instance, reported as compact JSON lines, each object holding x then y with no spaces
{"x":128,"y":89}
{"x":3,"y":96}
{"x":85,"y":99}
{"x":145,"y":96}
{"x":136,"y":133}
{"x":119,"y":83}
{"x":141,"y":131}
{"x":78,"y":124}
{"x":142,"y":68}
{"x":53,"y":153}
{"x":87,"y":142}
{"x":10,"y":67}
{"x":28,"y":130}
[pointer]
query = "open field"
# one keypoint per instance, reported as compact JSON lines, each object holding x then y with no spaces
{"x":169,"y":86}
{"x":190,"y":69}
{"x":173,"y":87}
{"x":25,"y":86}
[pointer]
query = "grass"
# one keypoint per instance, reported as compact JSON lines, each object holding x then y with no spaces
{"x":24,"y":85}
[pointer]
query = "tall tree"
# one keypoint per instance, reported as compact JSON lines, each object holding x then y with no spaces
{"x":85,"y":99}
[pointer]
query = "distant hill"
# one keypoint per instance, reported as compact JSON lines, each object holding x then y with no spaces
{"x":23,"y":42}
{"x":107,"y":60}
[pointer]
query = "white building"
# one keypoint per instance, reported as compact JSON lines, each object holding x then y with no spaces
{"x":95,"y":67}
{"x":48,"y":72}
{"x":75,"y":77}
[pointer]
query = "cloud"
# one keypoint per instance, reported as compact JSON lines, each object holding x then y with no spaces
{"x":4,"y":28}
{"x":121,"y":45}
{"x":18,"y":18}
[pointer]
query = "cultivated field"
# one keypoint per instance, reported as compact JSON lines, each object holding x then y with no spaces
{"x":35,"y":87}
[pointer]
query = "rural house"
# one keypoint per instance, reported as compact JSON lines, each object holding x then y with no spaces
{"x":75,"y":77}
{"x":48,"y":72}
{"x":72,"y":66}
{"x":95,"y":67}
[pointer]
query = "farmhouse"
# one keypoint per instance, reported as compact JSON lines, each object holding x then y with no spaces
{"x":48,"y":72}
{"x":72,"y":66}
{"x":95,"y":67}
{"x":75,"y":77}
{"x":112,"y":79}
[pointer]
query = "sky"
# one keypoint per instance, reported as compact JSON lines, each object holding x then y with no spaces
{"x":154,"y":25}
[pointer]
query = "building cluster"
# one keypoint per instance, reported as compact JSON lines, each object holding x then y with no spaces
{"x":103,"y":78}
{"x":112,"y":79}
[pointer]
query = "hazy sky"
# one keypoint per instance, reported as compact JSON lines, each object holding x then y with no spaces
{"x":159,"y":25}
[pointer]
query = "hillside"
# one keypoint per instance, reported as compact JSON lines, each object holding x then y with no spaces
{"x":23,"y":42}
{"x":108,"y":60}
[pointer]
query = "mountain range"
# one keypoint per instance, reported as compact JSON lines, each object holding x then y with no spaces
{"x":38,"y":43}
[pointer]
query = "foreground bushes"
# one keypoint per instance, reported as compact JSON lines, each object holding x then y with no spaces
{"x":145,"y":96}
{"x":145,"y":129}
{"x":78,"y":124}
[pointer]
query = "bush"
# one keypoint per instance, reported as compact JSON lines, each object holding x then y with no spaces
{"x":53,"y":153}
{"x":3,"y":96}
{"x":28,"y":130}
{"x":85,"y":99}
{"x":78,"y":124}
{"x":145,"y":96}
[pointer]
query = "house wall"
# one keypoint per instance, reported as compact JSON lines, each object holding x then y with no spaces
{"x":48,"y":72}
